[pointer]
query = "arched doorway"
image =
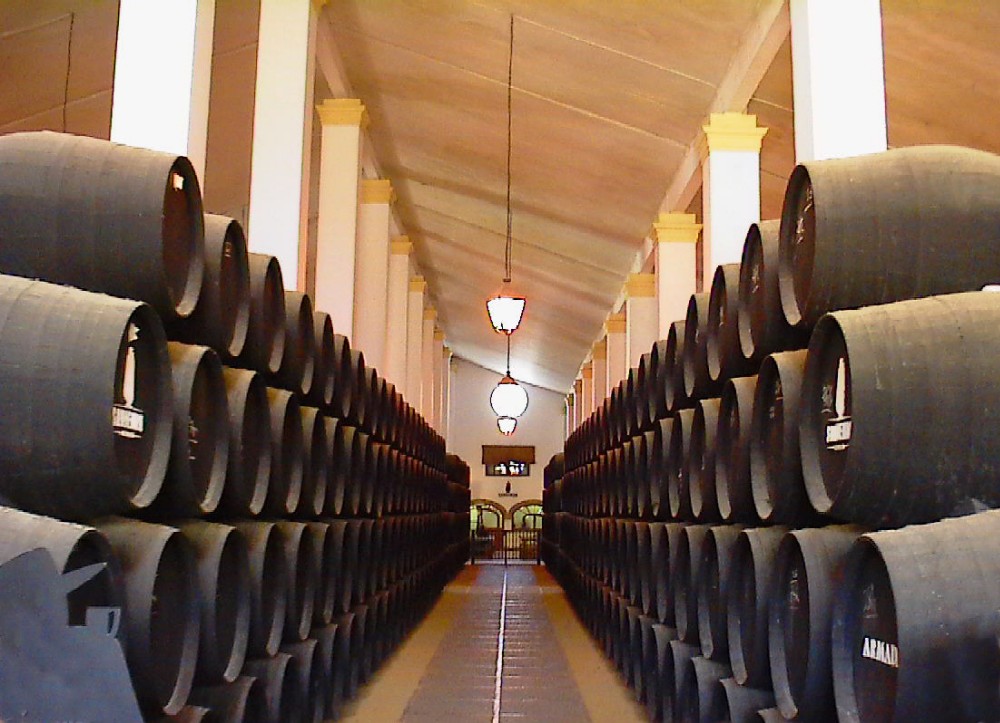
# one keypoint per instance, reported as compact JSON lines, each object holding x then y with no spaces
{"x":526,"y":515}
{"x":487,"y":520}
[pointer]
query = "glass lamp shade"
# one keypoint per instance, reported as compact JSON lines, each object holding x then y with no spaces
{"x":505,"y":312}
{"x":507,"y":425}
{"x":509,"y":398}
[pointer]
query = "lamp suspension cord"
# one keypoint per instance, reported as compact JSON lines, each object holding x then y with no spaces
{"x":510,"y":78}
{"x":508,"y":354}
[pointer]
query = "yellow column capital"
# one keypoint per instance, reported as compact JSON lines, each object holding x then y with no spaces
{"x":600,"y":349}
{"x":615,"y":324}
{"x":430,"y":314}
{"x":342,"y":112}
{"x":418,"y":284}
{"x":401,"y":245}
{"x":731,"y":132}
{"x":587,"y":372}
{"x":377,"y":190}
{"x":640,"y":286}
{"x":676,"y":228}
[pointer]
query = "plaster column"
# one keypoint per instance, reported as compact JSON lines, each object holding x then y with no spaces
{"x":730,"y":172}
{"x":578,"y":403}
{"x":414,"y":340}
{"x":371,"y":271}
{"x":396,"y":311}
{"x":427,"y":365}
{"x":282,"y":137}
{"x":838,"y":78}
{"x":676,"y":237}
{"x":641,"y":325}
{"x":569,"y":414}
{"x":438,"y":392}
{"x":163,"y":75}
{"x":617,"y":366}
{"x":339,"y":205}
{"x":445,"y":392}
{"x":587,"y":374}
{"x":599,"y":360}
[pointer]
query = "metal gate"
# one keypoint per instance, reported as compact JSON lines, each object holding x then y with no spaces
{"x":509,"y":546}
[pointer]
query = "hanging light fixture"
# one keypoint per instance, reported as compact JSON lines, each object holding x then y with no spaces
{"x":508,"y":399}
{"x":506,"y":308}
{"x":507,"y":425}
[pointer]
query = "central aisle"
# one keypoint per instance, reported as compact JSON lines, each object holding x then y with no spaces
{"x":549,"y":667}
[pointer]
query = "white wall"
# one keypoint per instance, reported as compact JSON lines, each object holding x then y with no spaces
{"x":473,"y":424}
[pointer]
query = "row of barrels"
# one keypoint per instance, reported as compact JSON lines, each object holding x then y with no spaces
{"x":288,"y":498}
{"x":711,"y":623}
{"x":197,"y":604}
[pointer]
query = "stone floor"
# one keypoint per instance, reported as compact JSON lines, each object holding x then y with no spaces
{"x":549,"y":668}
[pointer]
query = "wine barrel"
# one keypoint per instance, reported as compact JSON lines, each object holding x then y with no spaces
{"x":199,"y":451}
{"x":916,"y":628}
{"x":770,"y":715}
{"x":677,"y":466}
{"x":657,"y":448}
{"x":321,"y":389}
{"x":675,"y":397}
{"x":340,"y":689}
{"x":72,"y":547}
{"x":346,"y":539}
{"x":355,"y":411}
{"x":714,"y":589}
{"x":850,"y":237}
{"x":663,"y":544}
{"x":740,"y":704}
{"x":697,"y":383}
{"x":265,"y":343}
{"x":722,"y":344}
{"x":317,"y":448}
{"x":645,"y":407}
{"x":162,"y":623}
{"x":675,"y":668}
{"x":242,"y":700}
{"x":280,"y":677}
{"x":343,"y":382}
{"x":775,"y":465}
{"x":103,"y":217}
{"x":763,"y":329}
{"x":898,"y":419}
{"x":268,"y":585}
{"x":659,"y":689}
{"x":295,"y":373}
{"x":752,"y":569}
{"x":701,"y":461}
{"x":87,"y":407}
{"x":686,"y":572}
{"x":249,"y":462}
{"x":801,"y":618}
{"x":300,"y":560}
{"x":732,"y":456}
{"x":701,"y":698}
{"x":657,"y":380}
{"x":310,"y":676}
{"x":221,"y":317}
{"x":222,"y":570}
{"x":285,"y":484}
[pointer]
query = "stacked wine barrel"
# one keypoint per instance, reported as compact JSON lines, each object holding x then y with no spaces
{"x":783,"y":512}
{"x":272,"y":516}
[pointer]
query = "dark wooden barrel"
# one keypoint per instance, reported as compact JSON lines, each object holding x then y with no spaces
{"x":316,"y":460}
{"x":265,"y":343}
{"x":268,"y":585}
{"x":851,"y":236}
{"x":657,"y":380}
{"x":161,"y":616}
{"x":915,"y":633}
{"x":807,"y":569}
{"x":899,"y":411}
{"x":674,"y":394}
{"x":645,"y":406}
{"x":222,"y":315}
{"x":300,"y":560}
{"x":321,"y":389}
{"x":659,"y":691}
{"x":732,"y":454}
{"x":713,"y":589}
{"x":71,"y":547}
{"x":310,"y":677}
{"x":752,"y":571}
{"x":701,"y":461}
{"x":87,"y":407}
{"x":775,"y":466}
{"x":700,"y":698}
{"x":242,"y":700}
{"x":249,"y":461}
{"x":658,"y":448}
{"x":675,"y":668}
{"x":340,"y":688}
{"x":131,"y":217}
{"x":295,"y":373}
{"x":280,"y":677}
{"x":697,"y":383}
{"x":222,"y":570}
{"x":677,"y":466}
{"x":686,"y":572}
{"x":740,"y":704}
{"x":358,"y":379}
{"x":199,"y":451}
{"x":763,"y":329}
{"x":722,"y":345}
{"x":285,"y":484}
